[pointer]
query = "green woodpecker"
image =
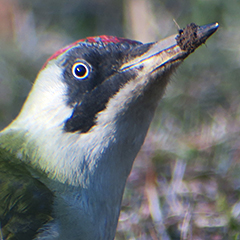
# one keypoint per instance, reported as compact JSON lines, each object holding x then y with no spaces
{"x":65,"y":159}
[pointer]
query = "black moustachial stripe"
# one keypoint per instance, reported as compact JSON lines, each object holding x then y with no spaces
{"x":84,"y":114}
{"x":88,"y":97}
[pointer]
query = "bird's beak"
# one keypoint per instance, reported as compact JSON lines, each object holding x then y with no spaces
{"x":172,"y":49}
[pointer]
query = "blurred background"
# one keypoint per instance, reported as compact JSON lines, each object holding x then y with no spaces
{"x":185,"y":183}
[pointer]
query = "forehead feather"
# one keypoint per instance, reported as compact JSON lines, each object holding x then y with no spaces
{"x":102,"y":40}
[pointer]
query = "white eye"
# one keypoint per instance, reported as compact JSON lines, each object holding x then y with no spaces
{"x":80,"y":70}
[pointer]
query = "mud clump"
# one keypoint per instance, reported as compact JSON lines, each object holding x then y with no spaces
{"x":188,"y":39}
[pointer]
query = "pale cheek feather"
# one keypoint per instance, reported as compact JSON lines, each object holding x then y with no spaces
{"x":46,"y":101}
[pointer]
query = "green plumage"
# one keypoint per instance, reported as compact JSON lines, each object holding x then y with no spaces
{"x":25,"y":202}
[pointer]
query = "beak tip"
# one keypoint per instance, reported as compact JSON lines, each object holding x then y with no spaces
{"x":207,"y":30}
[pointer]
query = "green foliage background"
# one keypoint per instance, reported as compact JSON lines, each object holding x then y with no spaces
{"x":185,"y":181}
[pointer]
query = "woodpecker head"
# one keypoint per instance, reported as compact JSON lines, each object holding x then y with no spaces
{"x":97,"y":93}
{"x":86,"y":118}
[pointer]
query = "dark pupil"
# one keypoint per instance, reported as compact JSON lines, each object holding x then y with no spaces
{"x":80,"y":70}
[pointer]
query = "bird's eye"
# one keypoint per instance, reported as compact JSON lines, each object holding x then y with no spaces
{"x":80,"y":70}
